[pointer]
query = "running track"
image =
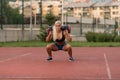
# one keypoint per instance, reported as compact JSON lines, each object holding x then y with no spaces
{"x":29,"y":63}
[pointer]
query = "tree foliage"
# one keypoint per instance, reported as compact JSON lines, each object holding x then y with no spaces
{"x":50,"y":19}
{"x":10,"y":15}
{"x":43,"y":34}
{"x":116,"y":24}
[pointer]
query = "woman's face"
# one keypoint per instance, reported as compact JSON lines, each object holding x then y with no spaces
{"x":58,"y":27}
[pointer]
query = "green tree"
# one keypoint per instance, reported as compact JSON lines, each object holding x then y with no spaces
{"x":116,"y":25}
{"x":11,"y":15}
{"x":50,"y":19}
{"x":43,"y":34}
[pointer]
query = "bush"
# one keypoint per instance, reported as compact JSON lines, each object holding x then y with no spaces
{"x":90,"y":36}
{"x":50,"y":18}
{"x":109,"y":37}
{"x":100,"y":37}
{"x":43,"y":34}
{"x":117,"y":39}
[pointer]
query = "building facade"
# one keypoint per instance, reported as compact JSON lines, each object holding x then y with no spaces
{"x":47,"y":6}
{"x":80,"y":1}
{"x":103,"y":9}
{"x":109,"y":10}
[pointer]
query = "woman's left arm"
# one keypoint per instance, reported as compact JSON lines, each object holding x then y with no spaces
{"x":67,"y":35}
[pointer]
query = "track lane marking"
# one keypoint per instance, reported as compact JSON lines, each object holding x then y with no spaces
{"x":107,"y":67}
{"x":12,"y":58}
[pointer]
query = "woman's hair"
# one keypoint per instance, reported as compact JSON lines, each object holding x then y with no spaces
{"x":58,"y":22}
{"x":54,"y":30}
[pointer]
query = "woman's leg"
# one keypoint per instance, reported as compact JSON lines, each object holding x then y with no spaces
{"x":50,"y":48}
{"x":68,"y":48}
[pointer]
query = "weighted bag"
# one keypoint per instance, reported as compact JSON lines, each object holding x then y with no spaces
{"x":62,"y":28}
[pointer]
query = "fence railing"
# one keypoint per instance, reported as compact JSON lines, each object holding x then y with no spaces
{"x":15,"y":33}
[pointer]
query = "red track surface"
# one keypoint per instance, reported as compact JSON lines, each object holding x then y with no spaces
{"x":91,"y":63}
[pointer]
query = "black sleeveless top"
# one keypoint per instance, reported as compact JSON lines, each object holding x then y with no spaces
{"x":62,"y":39}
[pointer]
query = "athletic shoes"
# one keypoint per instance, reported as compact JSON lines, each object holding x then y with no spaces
{"x":71,"y":59}
{"x":49,"y":59}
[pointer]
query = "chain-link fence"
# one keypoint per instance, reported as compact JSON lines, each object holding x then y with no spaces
{"x":82,"y":25}
{"x":15,"y":17}
{"x":15,"y":20}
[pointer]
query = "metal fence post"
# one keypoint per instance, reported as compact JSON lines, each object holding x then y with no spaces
{"x":40,"y":13}
{"x":30,"y":19}
{"x":94,"y":22}
{"x":22,"y":20}
{"x":80,"y":24}
{"x":22,"y":14}
{"x":1,"y":17}
{"x":67,"y":18}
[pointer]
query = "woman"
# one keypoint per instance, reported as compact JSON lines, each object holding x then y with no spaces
{"x":59,"y":37}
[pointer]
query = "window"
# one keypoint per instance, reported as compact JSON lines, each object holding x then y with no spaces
{"x":101,"y":8}
{"x":115,"y":7}
{"x":94,"y":8}
{"x":79,"y":8}
{"x":115,"y":12}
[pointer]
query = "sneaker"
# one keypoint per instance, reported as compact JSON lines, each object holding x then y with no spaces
{"x":71,"y":59}
{"x":49,"y":59}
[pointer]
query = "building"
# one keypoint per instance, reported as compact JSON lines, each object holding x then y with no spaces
{"x":52,"y":6}
{"x":80,"y":9}
{"x":105,"y":9}
{"x":102,"y":10}
{"x":76,"y":1}
{"x":47,"y":6}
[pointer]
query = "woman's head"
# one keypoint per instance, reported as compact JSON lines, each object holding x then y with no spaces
{"x":58,"y":25}
{"x":56,"y":29}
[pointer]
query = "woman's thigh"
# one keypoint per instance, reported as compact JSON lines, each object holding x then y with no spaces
{"x":53,"y":47}
{"x":66,"y":47}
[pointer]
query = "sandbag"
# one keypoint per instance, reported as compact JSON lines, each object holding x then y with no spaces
{"x":62,"y":28}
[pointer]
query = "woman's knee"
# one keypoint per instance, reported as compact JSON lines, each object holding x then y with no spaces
{"x":48,"y":47}
{"x":69,"y":47}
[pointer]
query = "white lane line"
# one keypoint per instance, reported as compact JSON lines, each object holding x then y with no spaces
{"x":12,"y":58}
{"x":107,"y":67}
{"x":59,"y":78}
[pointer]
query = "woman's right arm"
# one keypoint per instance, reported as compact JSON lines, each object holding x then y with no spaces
{"x":49,"y":37}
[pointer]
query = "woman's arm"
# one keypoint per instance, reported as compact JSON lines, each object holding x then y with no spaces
{"x":67,"y":36}
{"x":49,"y":37}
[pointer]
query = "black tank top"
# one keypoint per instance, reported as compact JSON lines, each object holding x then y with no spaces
{"x":62,"y":39}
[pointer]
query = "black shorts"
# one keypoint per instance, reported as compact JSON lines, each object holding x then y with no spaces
{"x":60,"y":47}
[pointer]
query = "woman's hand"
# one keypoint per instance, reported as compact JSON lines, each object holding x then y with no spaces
{"x":67,"y":35}
{"x":50,"y":33}
{"x":49,"y":37}
{"x":66,"y":32}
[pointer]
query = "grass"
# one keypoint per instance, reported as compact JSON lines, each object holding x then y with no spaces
{"x":95,"y":44}
{"x":74,"y":44}
{"x":23,"y":44}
